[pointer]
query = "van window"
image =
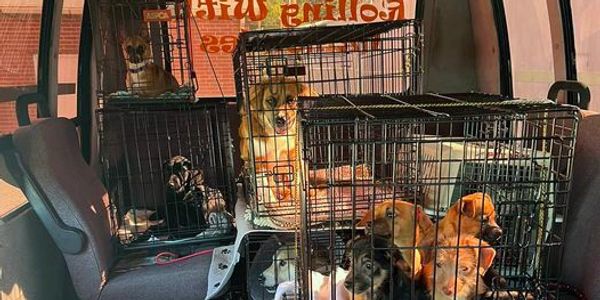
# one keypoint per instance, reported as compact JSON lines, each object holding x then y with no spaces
{"x":70,"y":29}
{"x":19,"y":42}
{"x":587,"y":42}
{"x":219,"y":31}
{"x":530,"y":42}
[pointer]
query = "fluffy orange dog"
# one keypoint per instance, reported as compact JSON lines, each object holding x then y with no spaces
{"x":271,"y":128}
{"x":404,"y":222}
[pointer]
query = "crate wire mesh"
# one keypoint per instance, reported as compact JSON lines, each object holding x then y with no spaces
{"x":275,"y":67}
{"x":137,"y":37}
{"x":168,"y":169}
{"x":433,"y":151}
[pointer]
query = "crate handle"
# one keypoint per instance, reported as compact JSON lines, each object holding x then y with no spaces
{"x":571,"y":86}
{"x":22,"y":107}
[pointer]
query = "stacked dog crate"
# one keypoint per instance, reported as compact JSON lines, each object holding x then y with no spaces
{"x":275,"y":71}
{"x":388,"y":193}
{"x":442,"y":153}
{"x":166,"y":159}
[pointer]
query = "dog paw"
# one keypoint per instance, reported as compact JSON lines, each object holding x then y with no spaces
{"x":218,"y":219}
{"x":363,"y":171}
{"x":283,"y":193}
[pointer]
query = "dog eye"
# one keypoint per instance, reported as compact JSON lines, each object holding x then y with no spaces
{"x":272,"y":101}
{"x":282,"y":263}
{"x":439,"y":265}
{"x":389,"y":214}
{"x":368,"y":266}
{"x":289,"y":99}
{"x":465,"y":269}
{"x":486,"y":219}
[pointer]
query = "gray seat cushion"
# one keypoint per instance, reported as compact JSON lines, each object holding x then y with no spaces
{"x":580,"y":260}
{"x":49,"y":149}
{"x":186,"y":279}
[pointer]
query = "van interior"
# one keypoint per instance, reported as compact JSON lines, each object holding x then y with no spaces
{"x":197,"y":149}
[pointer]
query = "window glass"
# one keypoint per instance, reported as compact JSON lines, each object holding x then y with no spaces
{"x":70,"y":29}
{"x":214,"y":33}
{"x":587,"y":46}
{"x":530,"y":47}
{"x":19,"y":42}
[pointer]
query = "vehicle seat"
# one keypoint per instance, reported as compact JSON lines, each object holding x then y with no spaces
{"x":582,"y":238}
{"x":56,"y":179}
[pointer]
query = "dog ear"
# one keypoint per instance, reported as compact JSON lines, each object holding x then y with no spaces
{"x":278,"y":240}
{"x":122,"y":36}
{"x":486,"y":258}
{"x":423,"y":220}
{"x":467,"y":206}
{"x":365,"y":219}
{"x":143,"y":32}
{"x":306,"y":91}
{"x":168,"y":164}
{"x":256,"y":95}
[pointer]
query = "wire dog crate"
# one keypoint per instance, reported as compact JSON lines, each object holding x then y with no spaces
{"x":168,"y":169}
{"x":466,"y":186}
{"x":272,"y":262}
{"x":143,"y":50}
{"x":274,"y":67}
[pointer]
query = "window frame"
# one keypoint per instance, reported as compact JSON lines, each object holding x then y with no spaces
{"x":568,"y":38}
{"x":506,"y":80}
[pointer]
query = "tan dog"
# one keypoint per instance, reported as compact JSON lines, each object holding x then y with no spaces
{"x":272,"y":129}
{"x":404,"y":222}
{"x":476,"y":215}
{"x":462,"y":280}
{"x":144,"y":77}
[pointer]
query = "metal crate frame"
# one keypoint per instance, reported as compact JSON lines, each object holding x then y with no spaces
{"x":374,"y":58}
{"x":170,"y":43}
{"x":137,"y":139}
{"x":518,"y":151}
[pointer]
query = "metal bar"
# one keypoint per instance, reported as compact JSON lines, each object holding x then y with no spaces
{"x":11,"y":93}
{"x":506,"y":80}
{"x":566,"y":14}
{"x":84,"y":84}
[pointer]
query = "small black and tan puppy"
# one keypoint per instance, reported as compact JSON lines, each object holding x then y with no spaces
{"x":183,"y":208}
{"x":378,"y":271}
{"x":195,"y":203}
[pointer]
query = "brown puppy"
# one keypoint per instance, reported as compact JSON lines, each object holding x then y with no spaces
{"x":463,"y":279}
{"x":144,"y":77}
{"x":476,"y":215}
{"x":404,"y":222}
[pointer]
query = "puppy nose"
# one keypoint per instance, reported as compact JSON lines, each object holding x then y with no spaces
{"x":495,"y":234}
{"x":348,"y":285}
{"x":280,"y":121}
{"x":448,"y":291}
